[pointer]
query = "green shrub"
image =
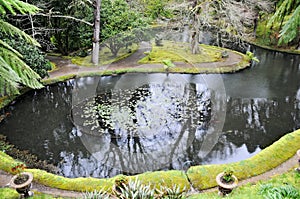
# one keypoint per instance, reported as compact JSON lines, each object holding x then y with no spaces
{"x":32,"y":56}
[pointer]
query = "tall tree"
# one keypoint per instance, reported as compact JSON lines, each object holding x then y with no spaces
{"x":13,"y":70}
{"x":96,"y":36}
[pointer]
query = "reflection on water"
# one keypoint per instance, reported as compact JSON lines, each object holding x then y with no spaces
{"x":104,"y":126}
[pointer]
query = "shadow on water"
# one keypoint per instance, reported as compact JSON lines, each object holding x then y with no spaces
{"x":103,"y":126}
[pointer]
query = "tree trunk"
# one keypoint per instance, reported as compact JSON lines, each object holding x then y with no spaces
{"x":195,"y":30}
{"x":96,"y":36}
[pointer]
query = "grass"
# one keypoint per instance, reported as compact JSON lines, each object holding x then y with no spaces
{"x":181,"y":52}
{"x":9,"y":193}
{"x":290,"y":178}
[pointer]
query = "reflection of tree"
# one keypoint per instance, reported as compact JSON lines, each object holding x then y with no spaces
{"x":258,"y":122}
{"x":161,"y":121}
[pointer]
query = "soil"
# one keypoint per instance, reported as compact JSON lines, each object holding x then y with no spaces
{"x":65,"y":67}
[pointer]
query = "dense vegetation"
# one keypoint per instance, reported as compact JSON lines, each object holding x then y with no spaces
{"x":67,"y":26}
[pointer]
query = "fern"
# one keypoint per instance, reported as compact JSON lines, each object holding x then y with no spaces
{"x":290,"y":29}
{"x":14,"y":6}
{"x":13,"y":71}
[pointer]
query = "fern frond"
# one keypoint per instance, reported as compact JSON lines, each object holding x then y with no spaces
{"x":14,"y":6}
{"x":290,"y":29}
{"x":27,"y":75}
{"x":8,"y":78}
{"x":11,"y":30}
{"x":8,"y":47}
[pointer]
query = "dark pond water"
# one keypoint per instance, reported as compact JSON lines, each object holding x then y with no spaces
{"x":103,"y":126}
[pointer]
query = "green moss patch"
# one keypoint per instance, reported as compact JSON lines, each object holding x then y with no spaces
{"x":203,"y":177}
{"x":181,"y":52}
{"x":105,"y":56}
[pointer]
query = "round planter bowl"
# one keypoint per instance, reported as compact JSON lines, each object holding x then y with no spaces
{"x":25,"y":184}
{"x":225,"y":185}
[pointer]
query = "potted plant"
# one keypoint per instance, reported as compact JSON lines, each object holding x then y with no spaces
{"x":21,"y":181}
{"x":226,"y":181}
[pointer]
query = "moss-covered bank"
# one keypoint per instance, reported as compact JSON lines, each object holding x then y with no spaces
{"x":203,"y":177}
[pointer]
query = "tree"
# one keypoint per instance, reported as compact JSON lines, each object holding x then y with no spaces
{"x":195,"y":30}
{"x":119,"y":25}
{"x":13,"y":70}
{"x":96,"y":39}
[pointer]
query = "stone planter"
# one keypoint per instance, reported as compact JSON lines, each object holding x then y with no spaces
{"x":226,"y":187}
{"x":23,"y":188}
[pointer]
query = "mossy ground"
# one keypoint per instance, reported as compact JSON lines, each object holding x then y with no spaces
{"x":181,"y":52}
{"x":105,"y":56}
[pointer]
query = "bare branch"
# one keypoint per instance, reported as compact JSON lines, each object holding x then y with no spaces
{"x":66,"y":17}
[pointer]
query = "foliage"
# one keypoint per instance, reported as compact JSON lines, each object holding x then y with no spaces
{"x":24,"y":156}
{"x":290,"y":30}
{"x":270,"y":191}
{"x":18,"y":168}
{"x":228,"y":172}
{"x":120,"y":26}
{"x":95,"y":195}
{"x":135,"y":190}
{"x":13,"y":70}
{"x":32,"y":56}
{"x":156,"y":9}
{"x":172,"y":193}
{"x":251,"y":56}
{"x":167,"y":64}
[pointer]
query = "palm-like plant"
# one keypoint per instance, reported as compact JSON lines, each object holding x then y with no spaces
{"x":14,"y":71}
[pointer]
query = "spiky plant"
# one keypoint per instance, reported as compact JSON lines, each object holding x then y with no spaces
{"x":13,"y":70}
{"x":95,"y":195}
{"x":135,"y":190}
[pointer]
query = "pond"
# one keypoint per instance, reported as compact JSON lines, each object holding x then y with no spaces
{"x":132,"y":123}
